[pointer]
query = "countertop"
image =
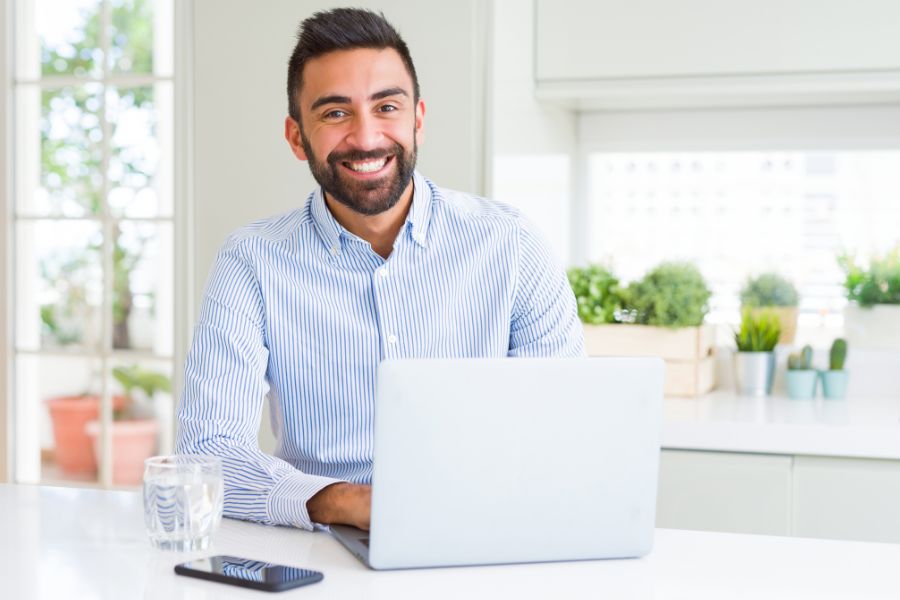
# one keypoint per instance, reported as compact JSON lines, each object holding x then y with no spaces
{"x":861,"y":427}
{"x":90,"y":544}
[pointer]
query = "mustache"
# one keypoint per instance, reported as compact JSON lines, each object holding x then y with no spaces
{"x":357,"y":155}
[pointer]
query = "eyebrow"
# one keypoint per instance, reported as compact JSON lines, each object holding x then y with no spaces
{"x":335,"y":99}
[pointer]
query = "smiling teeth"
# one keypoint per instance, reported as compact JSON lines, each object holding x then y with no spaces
{"x":367,"y":167}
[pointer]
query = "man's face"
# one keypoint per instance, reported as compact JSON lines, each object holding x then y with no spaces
{"x":359,"y":127}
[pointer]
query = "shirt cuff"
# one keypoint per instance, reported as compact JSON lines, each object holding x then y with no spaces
{"x":287,"y":501}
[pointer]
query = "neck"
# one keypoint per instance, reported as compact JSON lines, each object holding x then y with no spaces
{"x":379,"y":230}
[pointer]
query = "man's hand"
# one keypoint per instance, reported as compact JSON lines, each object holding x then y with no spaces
{"x":342,"y":503}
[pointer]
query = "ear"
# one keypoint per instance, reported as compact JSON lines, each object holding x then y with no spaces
{"x":420,"y":122}
{"x":292,"y":135}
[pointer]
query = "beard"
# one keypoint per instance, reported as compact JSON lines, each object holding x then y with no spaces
{"x":364,"y":197}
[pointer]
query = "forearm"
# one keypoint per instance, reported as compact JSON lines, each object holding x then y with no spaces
{"x":342,"y":503}
{"x":258,"y":487}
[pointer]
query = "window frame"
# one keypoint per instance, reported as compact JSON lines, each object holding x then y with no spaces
{"x":6,"y":121}
{"x":180,"y":219}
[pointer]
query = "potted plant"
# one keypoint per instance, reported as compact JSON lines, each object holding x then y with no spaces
{"x":597,"y":294}
{"x":834,"y":380}
{"x":73,"y":451}
{"x":134,"y":428}
{"x":660,"y":315}
{"x":771,"y":291}
{"x":872,"y":317}
{"x":754,"y":361}
{"x":801,"y":377}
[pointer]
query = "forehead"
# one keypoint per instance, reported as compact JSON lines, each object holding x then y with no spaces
{"x":355,"y":73}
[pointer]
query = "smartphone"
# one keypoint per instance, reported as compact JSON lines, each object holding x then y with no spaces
{"x":248,"y":573}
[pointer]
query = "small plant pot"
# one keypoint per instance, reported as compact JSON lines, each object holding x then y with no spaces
{"x":754,"y":372}
{"x":801,"y":384}
{"x":70,"y":416}
{"x":834,"y":384}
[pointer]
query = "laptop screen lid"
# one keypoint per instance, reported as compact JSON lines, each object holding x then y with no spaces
{"x":488,"y":461}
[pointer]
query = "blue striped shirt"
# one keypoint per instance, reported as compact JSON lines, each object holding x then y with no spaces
{"x":299,"y":308}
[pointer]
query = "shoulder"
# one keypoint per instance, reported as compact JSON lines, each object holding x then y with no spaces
{"x":266,"y":234}
{"x":471,"y":209}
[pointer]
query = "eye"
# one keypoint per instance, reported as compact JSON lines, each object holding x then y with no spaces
{"x":335,"y":114}
{"x":387,"y":108}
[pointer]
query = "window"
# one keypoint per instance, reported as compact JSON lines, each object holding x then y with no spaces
{"x":739,"y":192}
{"x":734,"y":214}
{"x":93,"y":229}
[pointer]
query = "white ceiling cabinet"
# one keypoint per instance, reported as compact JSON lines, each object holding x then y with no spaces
{"x":654,"y":53}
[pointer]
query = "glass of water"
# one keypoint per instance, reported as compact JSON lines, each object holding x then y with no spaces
{"x":182,"y":500}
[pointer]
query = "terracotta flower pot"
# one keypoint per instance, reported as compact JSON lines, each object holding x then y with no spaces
{"x":132,"y":443}
{"x":70,"y":416}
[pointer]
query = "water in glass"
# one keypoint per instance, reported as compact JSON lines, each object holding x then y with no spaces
{"x":182,"y":501}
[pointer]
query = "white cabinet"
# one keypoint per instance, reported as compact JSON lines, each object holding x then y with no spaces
{"x":804,"y":496}
{"x":847,"y":498}
{"x":601,"y":39}
{"x":722,"y":491}
{"x":606,"y":54}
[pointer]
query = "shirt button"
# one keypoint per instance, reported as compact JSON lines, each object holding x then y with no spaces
{"x":392,"y":339}
{"x":383,"y":272}
{"x":334,"y":251}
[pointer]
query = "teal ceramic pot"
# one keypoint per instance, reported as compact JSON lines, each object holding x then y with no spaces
{"x":834,"y":384}
{"x":801,"y":385}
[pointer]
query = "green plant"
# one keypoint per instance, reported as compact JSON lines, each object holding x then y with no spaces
{"x":673,"y":294}
{"x":879,"y":284}
{"x":801,"y":361}
{"x":758,"y":333}
{"x":135,"y":377}
{"x":596,"y":293}
{"x":769,"y":289}
{"x":838,"y":355}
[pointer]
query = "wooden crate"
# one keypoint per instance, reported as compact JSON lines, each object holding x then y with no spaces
{"x":688,"y":352}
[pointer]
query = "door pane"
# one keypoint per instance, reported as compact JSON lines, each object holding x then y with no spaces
{"x":142,"y":290}
{"x":69,"y":32}
{"x":57,"y":397}
{"x":59,"y":151}
{"x":140,"y":179}
{"x":59,"y":285}
{"x":142,"y":421}
{"x":140,"y":36}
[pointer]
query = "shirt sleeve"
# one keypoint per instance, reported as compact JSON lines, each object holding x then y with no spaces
{"x":545,"y":317}
{"x":221,"y":405}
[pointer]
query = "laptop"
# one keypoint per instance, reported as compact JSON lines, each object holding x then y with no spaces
{"x":512,"y":460}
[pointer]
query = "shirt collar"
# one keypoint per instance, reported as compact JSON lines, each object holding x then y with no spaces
{"x":417,"y":221}
{"x":420,"y":212}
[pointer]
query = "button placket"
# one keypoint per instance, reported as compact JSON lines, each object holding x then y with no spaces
{"x":380,"y":279}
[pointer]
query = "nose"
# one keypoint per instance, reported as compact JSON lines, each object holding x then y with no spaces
{"x":365,"y":132}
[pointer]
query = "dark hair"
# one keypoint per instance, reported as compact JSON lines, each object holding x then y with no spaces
{"x":342,"y":29}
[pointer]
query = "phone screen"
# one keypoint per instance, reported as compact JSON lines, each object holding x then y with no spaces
{"x":248,"y":573}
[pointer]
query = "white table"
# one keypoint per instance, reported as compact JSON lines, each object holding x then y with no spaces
{"x":62,"y":543}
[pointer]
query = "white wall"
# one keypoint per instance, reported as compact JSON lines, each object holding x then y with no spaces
{"x":243,"y":168}
{"x":532,"y":146}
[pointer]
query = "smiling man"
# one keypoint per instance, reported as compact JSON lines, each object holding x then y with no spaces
{"x":378,"y":263}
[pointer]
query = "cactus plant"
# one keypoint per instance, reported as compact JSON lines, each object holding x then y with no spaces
{"x":838,"y":355}
{"x":801,"y":361}
{"x":758,"y":333}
